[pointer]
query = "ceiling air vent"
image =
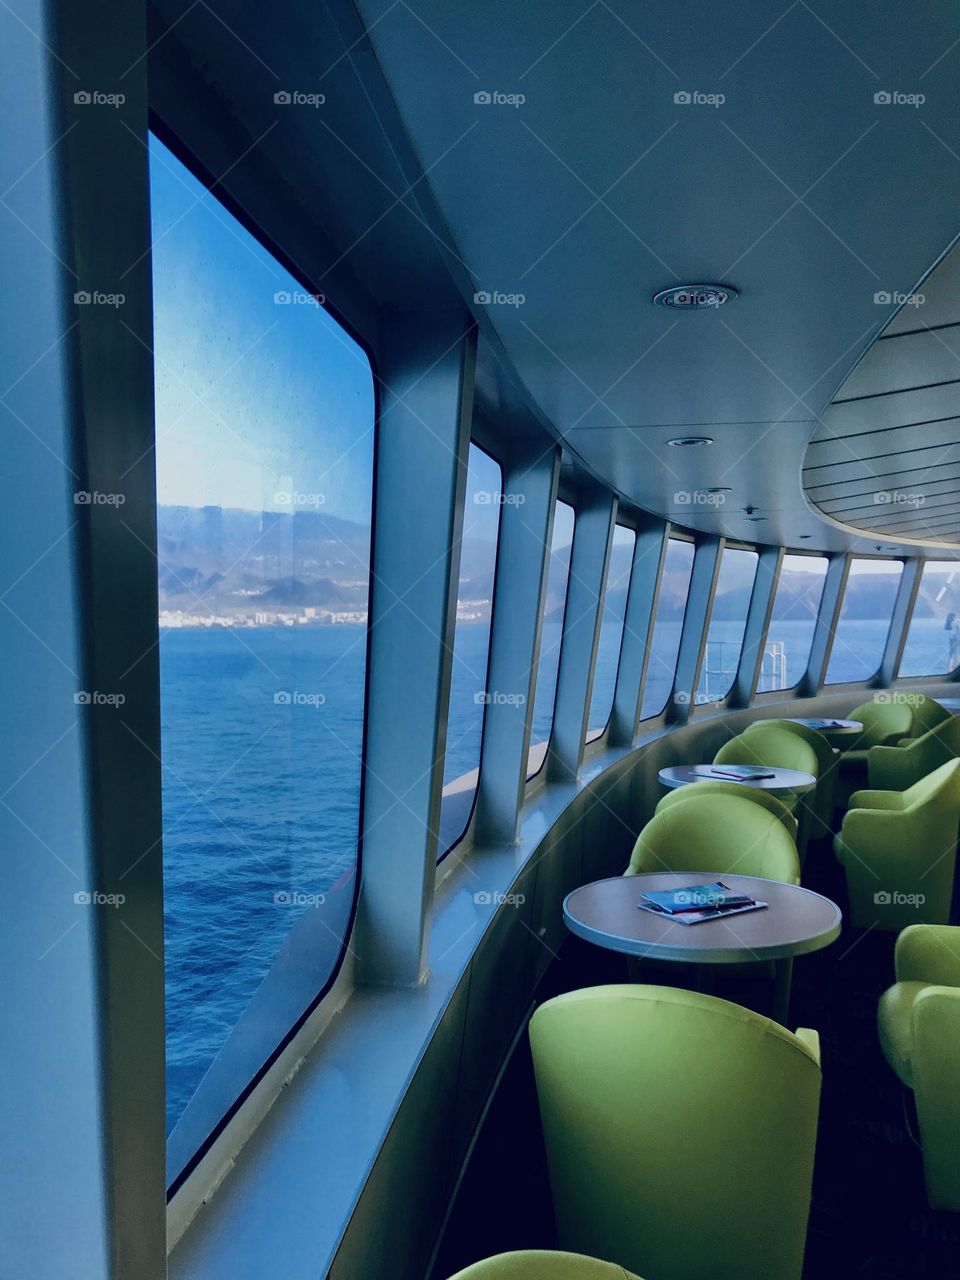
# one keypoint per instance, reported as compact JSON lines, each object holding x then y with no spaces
{"x":695,"y":297}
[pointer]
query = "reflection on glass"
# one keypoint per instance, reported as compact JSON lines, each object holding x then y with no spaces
{"x":792,"y":623}
{"x":471,"y":644}
{"x":728,"y":620}
{"x":933,"y":641}
{"x":548,"y":663}
{"x":611,"y":630}
{"x":864,"y":620}
{"x":665,"y":642}
{"x":264,"y":453}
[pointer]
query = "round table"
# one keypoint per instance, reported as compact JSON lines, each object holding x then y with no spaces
{"x":795,"y":922}
{"x":828,"y":727}
{"x":681,"y":775}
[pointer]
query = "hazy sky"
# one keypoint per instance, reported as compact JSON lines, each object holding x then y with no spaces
{"x":257,"y":399}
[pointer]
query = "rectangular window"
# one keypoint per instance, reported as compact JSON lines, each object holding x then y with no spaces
{"x":611,"y":630}
{"x":668,"y":624}
{"x":264,"y":453}
{"x":728,"y":620}
{"x":933,"y":640}
{"x":796,"y":605}
{"x":471,"y":644}
{"x":864,"y":622}
{"x":551,"y":635}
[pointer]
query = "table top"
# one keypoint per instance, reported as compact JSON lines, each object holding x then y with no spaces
{"x":679,"y":775}
{"x":826,"y":724}
{"x":795,"y":921}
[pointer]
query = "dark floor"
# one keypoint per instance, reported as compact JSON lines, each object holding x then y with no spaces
{"x":869,"y":1218}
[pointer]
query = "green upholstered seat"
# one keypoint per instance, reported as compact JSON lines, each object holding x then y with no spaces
{"x":766,"y":799}
{"x":544,"y":1264}
{"x":665,"y":1109}
{"x":771,"y":744}
{"x":927,"y":714}
{"x":715,"y":834}
{"x":885,"y":721}
{"x":919,"y":1024}
{"x":828,"y":765}
{"x":894,"y":768}
{"x":899,"y":850}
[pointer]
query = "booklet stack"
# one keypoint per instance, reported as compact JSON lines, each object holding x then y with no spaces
{"x":695,"y":903}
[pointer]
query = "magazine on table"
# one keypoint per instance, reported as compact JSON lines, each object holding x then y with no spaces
{"x":695,"y":903}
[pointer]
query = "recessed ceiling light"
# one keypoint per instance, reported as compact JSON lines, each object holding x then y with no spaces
{"x":756,"y":519}
{"x":804,"y":535}
{"x":688,"y":442}
{"x":695,"y":297}
{"x":716,"y":488}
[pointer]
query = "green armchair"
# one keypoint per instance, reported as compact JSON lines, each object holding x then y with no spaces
{"x":768,"y":743}
{"x":715,"y":834}
{"x":927,"y":714}
{"x":899,"y":849}
{"x":885,"y":719}
{"x":919,"y":1024}
{"x":828,"y":765}
{"x":766,"y":799}
{"x":895,"y":768}
{"x":626,"y":1075}
{"x":543,"y":1264}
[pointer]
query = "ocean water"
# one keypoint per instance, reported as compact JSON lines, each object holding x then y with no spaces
{"x":262,"y":736}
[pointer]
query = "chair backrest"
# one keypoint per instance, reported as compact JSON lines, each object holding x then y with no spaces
{"x":766,"y":799}
{"x":941,"y":786}
{"x":770,"y":744}
{"x":717,"y":834}
{"x":881,"y":720}
{"x":897,"y":768}
{"x":680,"y":1132}
{"x":927,"y":714}
{"x":543,"y":1264}
{"x":828,"y":765}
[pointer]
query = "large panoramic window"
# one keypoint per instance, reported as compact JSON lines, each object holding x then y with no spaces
{"x":468,"y":686}
{"x":796,"y":605}
{"x":665,"y":641}
{"x":548,"y":665}
{"x":728,"y":620}
{"x":864,"y":622}
{"x":611,"y":630}
{"x":933,"y":640}
{"x":264,"y":454}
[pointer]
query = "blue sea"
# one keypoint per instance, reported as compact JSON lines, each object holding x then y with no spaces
{"x":262,"y":736}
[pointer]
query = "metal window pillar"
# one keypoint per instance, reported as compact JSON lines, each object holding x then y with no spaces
{"x":426,"y":403}
{"x":693,"y":636}
{"x":907,"y":590}
{"x":831,"y":602}
{"x":589,"y":561}
{"x":523,"y":557}
{"x":80,"y":821}
{"x":649,"y":554}
{"x":757,"y":624}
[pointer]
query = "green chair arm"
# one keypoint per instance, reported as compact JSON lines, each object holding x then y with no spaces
{"x":936,"y":1087}
{"x":929,"y":953}
{"x":811,"y":1039}
{"x":876,"y":800}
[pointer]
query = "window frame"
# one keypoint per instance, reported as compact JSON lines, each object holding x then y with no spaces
{"x":631,"y":528}
{"x":869,"y":680}
{"x":793,"y":688}
{"x":182,"y":153}
{"x":951,"y":673}
{"x":568,"y":500}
